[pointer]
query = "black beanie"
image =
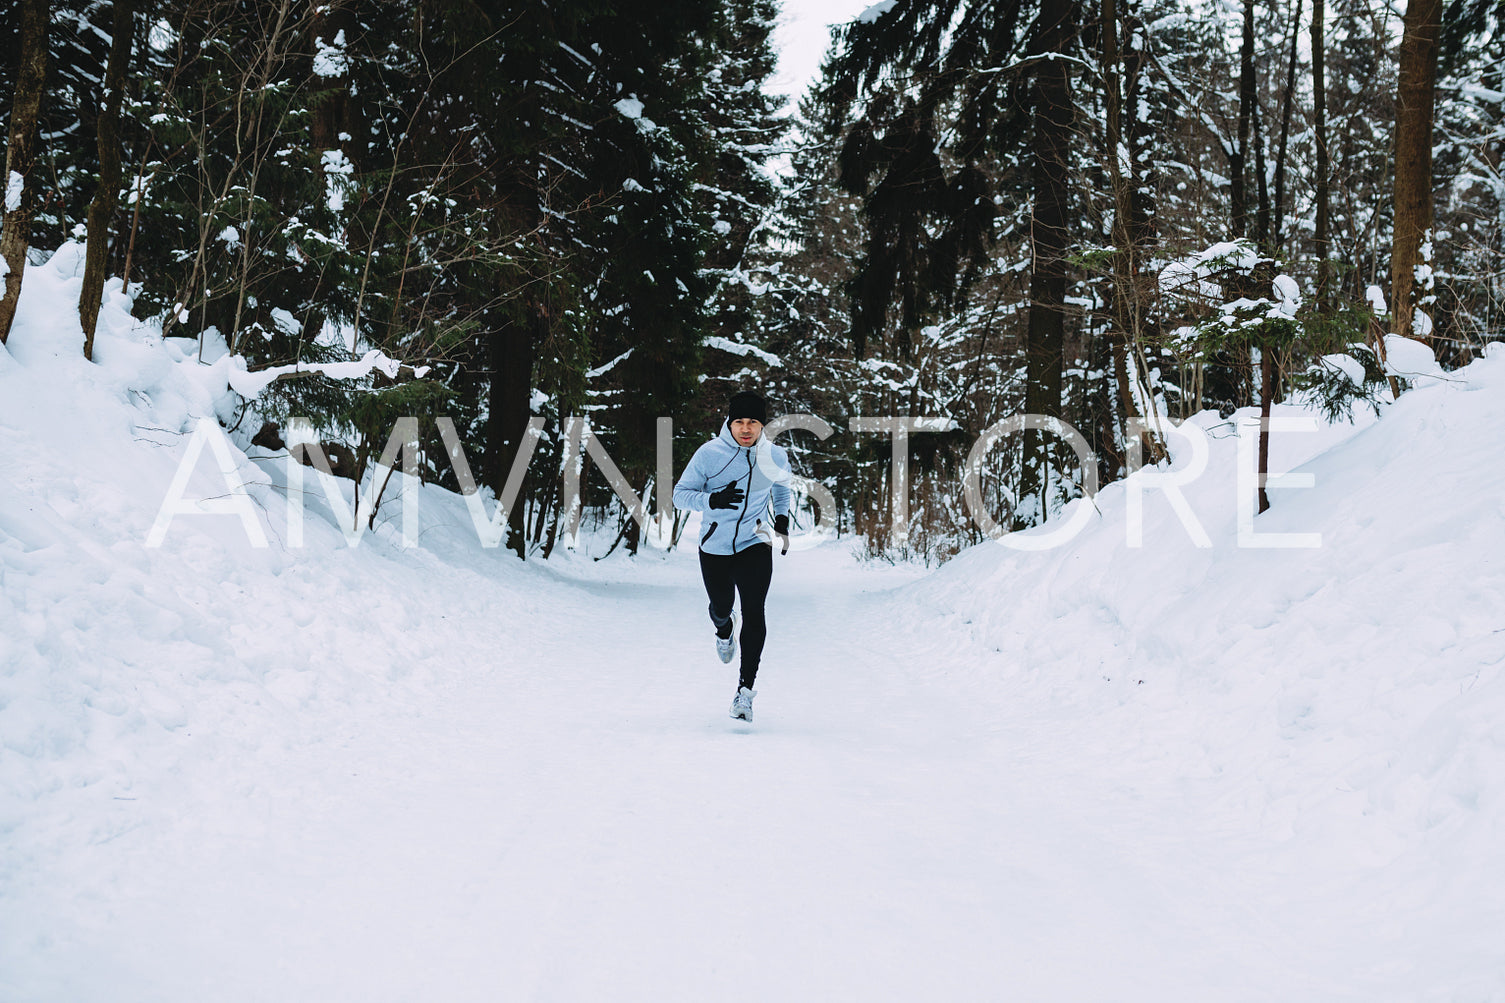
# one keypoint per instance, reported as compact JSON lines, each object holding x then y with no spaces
{"x":746,"y":404}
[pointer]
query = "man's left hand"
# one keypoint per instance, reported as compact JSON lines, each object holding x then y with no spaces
{"x":781,"y":530}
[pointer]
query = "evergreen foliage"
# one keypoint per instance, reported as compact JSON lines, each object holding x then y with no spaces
{"x":565,"y":209}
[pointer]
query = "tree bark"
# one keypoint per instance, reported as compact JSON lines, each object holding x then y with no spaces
{"x":20,"y":156}
{"x":1261,"y":186}
{"x":1320,"y":238}
{"x":1266,"y":398}
{"x":1238,"y":161}
{"x":336,"y":114}
{"x":1286,"y":103}
{"x":1120,"y":163}
{"x":510,"y":349}
{"x":1415,"y":102}
{"x":107,"y":196}
{"x":1129,"y":227}
{"x":1045,"y":337}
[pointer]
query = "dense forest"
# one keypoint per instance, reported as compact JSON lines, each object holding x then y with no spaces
{"x":1114,"y":214}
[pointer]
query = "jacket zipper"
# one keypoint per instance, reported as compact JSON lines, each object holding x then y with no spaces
{"x":738,"y":528}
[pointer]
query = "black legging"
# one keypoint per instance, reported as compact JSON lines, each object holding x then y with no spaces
{"x":749,"y":572}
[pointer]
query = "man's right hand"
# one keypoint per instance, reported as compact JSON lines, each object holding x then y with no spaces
{"x":728,"y":497}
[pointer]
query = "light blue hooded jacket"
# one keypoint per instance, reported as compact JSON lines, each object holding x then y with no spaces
{"x":761,"y":470}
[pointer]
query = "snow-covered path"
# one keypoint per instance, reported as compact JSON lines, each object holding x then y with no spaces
{"x":1103,"y":772}
{"x":573,"y":816}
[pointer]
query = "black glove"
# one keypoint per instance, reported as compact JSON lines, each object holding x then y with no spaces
{"x":728,"y":497}
{"x":781,"y":530}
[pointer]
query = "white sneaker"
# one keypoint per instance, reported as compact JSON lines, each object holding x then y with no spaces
{"x":742,"y":703}
{"x":726,"y":647}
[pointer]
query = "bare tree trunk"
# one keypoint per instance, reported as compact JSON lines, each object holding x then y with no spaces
{"x":1376,"y":332}
{"x":1266,"y":398}
{"x":1287,"y":100}
{"x":1247,"y":285}
{"x":1046,"y":333}
{"x":107,"y":196}
{"x":1149,"y":444}
{"x":511,"y":350}
{"x":1261,"y":185}
{"x":1129,"y":307}
{"x":1415,"y":101}
{"x":1102,"y":406}
{"x":1321,"y":238}
{"x":1238,"y":161}
{"x":542,"y":511}
{"x":337,"y":115}
{"x":1269,"y":221}
{"x":21,"y":155}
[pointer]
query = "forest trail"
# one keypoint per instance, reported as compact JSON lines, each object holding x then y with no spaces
{"x":562,"y":810}
{"x":378,"y":773}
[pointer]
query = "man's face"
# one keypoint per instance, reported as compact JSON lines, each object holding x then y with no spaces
{"x":747,"y":430}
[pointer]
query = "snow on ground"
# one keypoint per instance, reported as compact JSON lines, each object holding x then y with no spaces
{"x":1094,"y":772}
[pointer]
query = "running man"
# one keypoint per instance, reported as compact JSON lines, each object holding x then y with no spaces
{"x":739,"y":482}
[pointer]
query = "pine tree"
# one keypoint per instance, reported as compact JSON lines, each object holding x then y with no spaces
{"x":1469,"y":243}
{"x":20,"y":158}
{"x":102,"y":210}
{"x":651,"y":289}
{"x":1415,"y":103}
{"x":740,"y":131}
{"x":977,"y":81}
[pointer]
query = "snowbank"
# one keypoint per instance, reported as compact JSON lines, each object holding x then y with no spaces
{"x":1153,"y":771}
{"x":1345,"y":698}
{"x":134,"y":679}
